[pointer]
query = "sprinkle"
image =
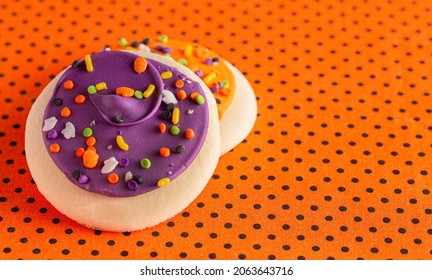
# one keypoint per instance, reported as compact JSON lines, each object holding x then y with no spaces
{"x":188,"y":50}
{"x":113,"y":178}
{"x":52,"y":134}
{"x":57,"y":101}
{"x":149,"y":91}
{"x":83,"y":179}
{"x":146,"y":41}
{"x":166,"y":115}
{"x":68,"y":85}
{"x":69,"y":130}
{"x":163,"y":182}
{"x":123,"y":162}
{"x":216,"y":59}
{"x":162,"y":127}
{"x":199,"y":73}
{"x":128,"y":176}
{"x":140,"y":64}
{"x":110,"y":147}
{"x":179,"y":149}
{"x":214,"y":88}
{"x":200,"y":99}
{"x":91,"y":148}
{"x":208,"y":61}
{"x":176,"y":115}
{"x":80,"y":99}
{"x":182,"y":61}
{"x":209,"y":78}
{"x":163,"y":39}
{"x":167,"y":50}
{"x":170,"y":107}
{"x":181,"y":94}
{"x":76,"y":174}
{"x":90,"y":158}
{"x":121,"y":143}
{"x":76,"y":63}
{"x":88,"y":63}
{"x":166,"y":75}
{"x":168,"y":97}
{"x":134,"y":44}
{"x":225,"y":91}
{"x":125,"y":91}
{"x":201,"y":51}
{"x":145,"y":163}
{"x":91,"y":89}
{"x":190,"y":112}
{"x":92,"y":123}
{"x":91,"y":141}
{"x":54,"y":148}
{"x":79,"y":152}
{"x":218,"y":101}
{"x":224,"y":84}
{"x":138,"y":179}
{"x":189,"y":133}
{"x":49,"y":123}
{"x":123,"y":42}
{"x":164,"y":152}
{"x":194,"y":95}
{"x":87,"y":132}
{"x":179,"y":83}
{"x":132,"y":185}
{"x":101,"y":86}
{"x":109,"y":165}
{"x":138,"y":94}
{"x":65,"y":112}
{"x":175,"y":130}
{"x":118,"y":119}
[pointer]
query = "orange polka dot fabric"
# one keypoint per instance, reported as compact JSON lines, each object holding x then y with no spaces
{"x":338,"y":165}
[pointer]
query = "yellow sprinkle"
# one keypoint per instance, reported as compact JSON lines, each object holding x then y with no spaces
{"x":163,"y":182}
{"x":121,"y":143}
{"x":166,"y":75}
{"x":88,"y":63}
{"x":149,"y":91}
{"x":175,"y":115}
{"x":188,"y":51}
{"x":101,"y":86}
{"x":209,"y":78}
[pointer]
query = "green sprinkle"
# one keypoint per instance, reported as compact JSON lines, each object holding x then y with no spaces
{"x":123,"y":42}
{"x":163,"y":38}
{"x":200,"y":99}
{"x":138,"y":94}
{"x":182,"y":61}
{"x":175,"y":130}
{"x":167,"y":55}
{"x":145,"y":163}
{"x":225,"y":84}
{"x":87,"y":132}
{"x":91,"y":89}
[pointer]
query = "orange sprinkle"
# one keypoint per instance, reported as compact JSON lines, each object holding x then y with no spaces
{"x":162,"y":127}
{"x":125,"y":91}
{"x":140,"y":64}
{"x":79,"y":152}
{"x":91,"y":141}
{"x":54,"y":148}
{"x":113,"y":178}
{"x":65,"y":112}
{"x":181,"y":94}
{"x":225,"y":91}
{"x":179,"y":83}
{"x":194,"y":95}
{"x":164,"y":152}
{"x":90,"y":158}
{"x":91,"y":148}
{"x":201,"y":52}
{"x":68,"y":85}
{"x":79,"y":99}
{"x":189,"y":133}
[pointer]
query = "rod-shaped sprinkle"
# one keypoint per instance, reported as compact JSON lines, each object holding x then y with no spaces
{"x":88,"y":63}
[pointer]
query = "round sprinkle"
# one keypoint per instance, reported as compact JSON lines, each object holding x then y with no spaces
{"x":138,"y":94}
{"x":208,"y":61}
{"x":87,"y":132}
{"x":179,"y":149}
{"x":163,"y":182}
{"x":132,"y":185}
{"x":79,"y":152}
{"x":181,"y":95}
{"x":54,"y":148}
{"x":91,"y":89}
{"x":162,"y":128}
{"x":52,"y":134}
{"x":77,"y":174}
{"x":179,"y":83}
{"x":80,"y":99}
{"x":163,"y":39}
{"x":91,"y":141}
{"x":57,"y":101}
{"x":175,"y":130}
{"x":138,"y":179}
{"x":200,"y":99}
{"x":68,"y":85}
{"x":65,"y":112}
{"x":113,"y":178}
{"x":225,"y":84}
{"x":83,"y":179}
{"x":76,"y":63}
{"x":118,"y":119}
{"x":123,"y":42}
{"x":164,"y":152}
{"x":145,"y":163}
{"x":166,"y":115}
{"x":123,"y":162}
{"x":146,"y":41}
{"x":189,"y":133}
{"x":182,"y":61}
{"x":140,"y":64}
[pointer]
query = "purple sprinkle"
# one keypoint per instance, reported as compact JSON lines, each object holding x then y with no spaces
{"x":167,"y":50}
{"x":220,"y":84}
{"x":199,"y":73}
{"x":52,"y":134}
{"x":120,"y":132}
{"x":123,"y":162}
{"x":214,"y":89}
{"x":182,"y":76}
{"x":83,"y":179}
{"x":208,"y":61}
{"x":132,"y":185}
{"x":160,"y":47}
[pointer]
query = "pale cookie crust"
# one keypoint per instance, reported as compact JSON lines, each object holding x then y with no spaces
{"x":120,"y":213}
{"x":239,"y":119}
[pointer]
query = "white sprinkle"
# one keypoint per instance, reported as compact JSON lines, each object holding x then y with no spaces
{"x":93,"y":123}
{"x":190,"y":112}
{"x":69,"y":131}
{"x":188,"y":81}
{"x":168,"y":97}
{"x":128,"y":176}
{"x":110,"y":147}
{"x":49,"y":124}
{"x":109,"y":165}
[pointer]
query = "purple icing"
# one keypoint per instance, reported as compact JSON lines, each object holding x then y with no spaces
{"x":139,"y":128}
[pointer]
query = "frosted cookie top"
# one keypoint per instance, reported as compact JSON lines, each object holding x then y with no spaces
{"x":121,"y":125}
